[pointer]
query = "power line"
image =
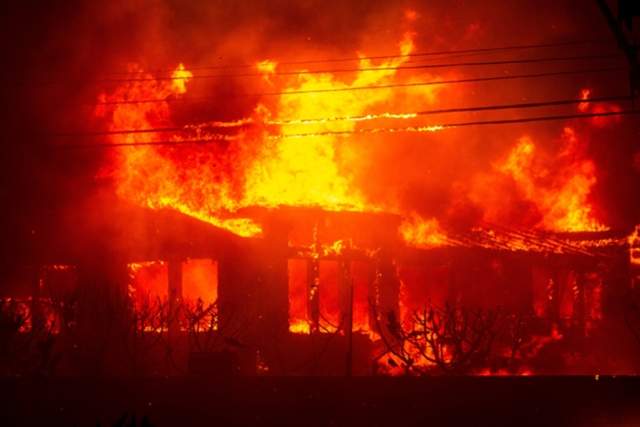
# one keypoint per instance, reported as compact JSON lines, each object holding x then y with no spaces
{"x":484,"y":50}
{"x":219,"y":138}
{"x":348,"y":59}
{"x":327,"y":71}
{"x":352,"y":88}
{"x":348,"y":118}
{"x":400,"y":68}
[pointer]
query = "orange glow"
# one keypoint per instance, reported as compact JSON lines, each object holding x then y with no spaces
{"x":531,"y":348}
{"x":200,"y":280}
{"x":180,"y":78}
{"x":557,"y":189}
{"x":294,"y":163}
{"x":599,"y":108}
{"x":421,"y":233}
{"x":634,"y":247}
{"x":59,"y":267}
{"x":584,"y":106}
{"x":411,"y":15}
{"x":297,"y":149}
{"x":291,"y":152}
{"x":267,"y":67}
{"x":361,"y":308}
{"x":298,"y":296}
{"x":299,"y":326}
{"x":331,"y":316}
{"x":149,"y":278}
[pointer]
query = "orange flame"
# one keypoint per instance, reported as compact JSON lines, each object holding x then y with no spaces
{"x":298,"y":167}
{"x":422,"y":233}
{"x":290,"y":152}
{"x":267,"y":67}
{"x":557,"y":188}
{"x":584,"y":106}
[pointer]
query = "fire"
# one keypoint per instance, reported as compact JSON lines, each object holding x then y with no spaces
{"x":200,"y":280}
{"x":180,"y":77}
{"x":584,"y":106}
{"x":411,"y":15}
{"x":297,"y":149}
{"x":286,"y":153}
{"x":599,"y":108}
{"x":148,"y":278}
{"x":267,"y":67}
{"x":299,"y":326}
{"x":290,"y":152}
{"x":147,"y":174}
{"x":422,"y":233}
{"x":59,"y":267}
{"x":532,"y":347}
{"x":634,"y":247}
{"x":555,"y":189}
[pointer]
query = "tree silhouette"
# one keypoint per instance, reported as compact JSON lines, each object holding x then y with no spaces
{"x":454,"y":340}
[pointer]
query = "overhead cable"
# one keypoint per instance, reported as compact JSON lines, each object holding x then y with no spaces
{"x":218,"y":138}
{"x":405,"y":115}
{"x":326,"y":71}
{"x":347,"y":59}
{"x":350,"y":88}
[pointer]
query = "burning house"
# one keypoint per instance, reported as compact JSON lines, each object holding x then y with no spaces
{"x":292,"y":300}
{"x":309,"y":213}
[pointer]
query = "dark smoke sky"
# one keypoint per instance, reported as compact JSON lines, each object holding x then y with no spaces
{"x":79,"y":42}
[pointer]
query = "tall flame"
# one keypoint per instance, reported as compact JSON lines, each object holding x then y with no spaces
{"x":291,"y":151}
{"x":296,"y":164}
{"x":555,"y":188}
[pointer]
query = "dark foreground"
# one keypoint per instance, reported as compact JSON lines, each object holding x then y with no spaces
{"x":328,"y":401}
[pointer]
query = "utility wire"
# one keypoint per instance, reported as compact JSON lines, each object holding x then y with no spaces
{"x":331,"y":71}
{"x":334,"y":60}
{"x":352,"y":88}
{"x":345,"y":118}
{"x":219,"y":138}
{"x":485,"y":50}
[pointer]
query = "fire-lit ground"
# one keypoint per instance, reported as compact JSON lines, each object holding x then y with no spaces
{"x":386,"y":402}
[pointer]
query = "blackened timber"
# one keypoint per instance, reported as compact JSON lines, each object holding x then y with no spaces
{"x":274,"y":304}
{"x":370,"y":272}
{"x":344,"y":288}
{"x":174,"y":288}
{"x":553,"y":294}
{"x":519,"y":284}
{"x":175,"y":279}
{"x":313,"y":294}
{"x":579,"y":312}
{"x":103,"y":267}
{"x":582,"y":236}
{"x":494,"y":237}
{"x":347,"y":254}
{"x":387,"y":282}
{"x":36,"y":288}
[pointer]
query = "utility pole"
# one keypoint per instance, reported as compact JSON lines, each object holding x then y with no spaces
{"x":628,"y":50}
{"x":349,"y":366}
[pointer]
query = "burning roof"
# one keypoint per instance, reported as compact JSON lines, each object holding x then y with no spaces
{"x":494,"y":237}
